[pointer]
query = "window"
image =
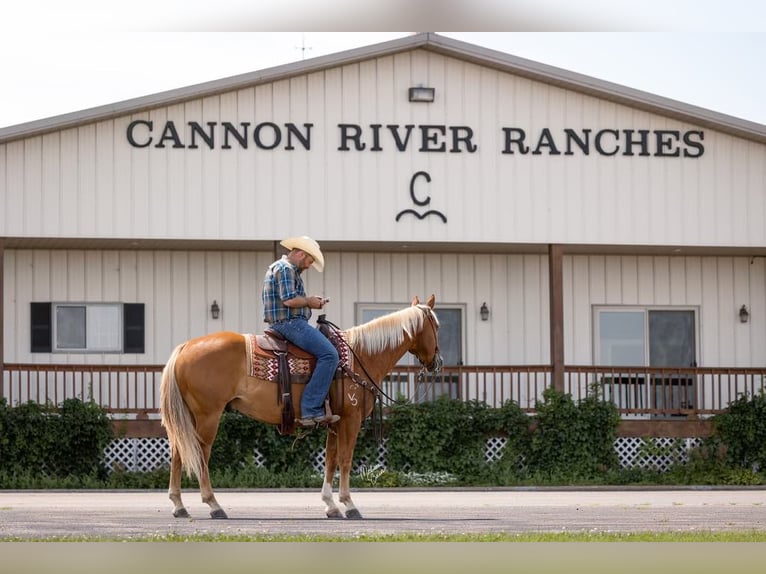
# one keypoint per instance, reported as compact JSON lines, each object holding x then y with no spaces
{"x":87,"y":327}
{"x":450,"y":347}
{"x":654,"y":337}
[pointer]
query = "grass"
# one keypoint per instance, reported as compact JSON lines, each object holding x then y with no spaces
{"x":677,"y":536}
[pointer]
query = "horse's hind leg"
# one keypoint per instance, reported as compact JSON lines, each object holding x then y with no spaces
{"x":207,"y":436}
{"x":174,"y":490}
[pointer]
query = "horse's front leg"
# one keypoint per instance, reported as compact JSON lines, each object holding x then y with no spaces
{"x":346,"y":445}
{"x":331,"y":463}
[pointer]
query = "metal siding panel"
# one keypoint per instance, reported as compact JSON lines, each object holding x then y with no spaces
{"x":319,"y":161}
{"x":677,"y":281}
{"x":495,"y":274}
{"x":94,"y":276}
{"x":727,"y":310}
{"x":757,"y":305}
{"x":122,"y":207}
{"x":154,"y":207}
{"x":389,"y":187}
{"x":518,"y":339}
{"x":228,"y":184}
{"x":535,"y":312}
{"x":230,"y":291}
{"x":384,"y":276}
{"x":400,"y":287}
{"x":76,"y":275}
{"x":181,"y":307}
{"x":86,"y":196}
{"x":166,"y":334}
{"x":138,"y":283}
{"x":577,"y":310}
{"x":174,"y":222}
{"x":613,"y":280}
{"x":693,"y":286}
{"x":478,"y":283}
{"x":756,"y":195}
{"x":104,"y":178}
{"x":212,"y":222}
{"x":4,"y":191}
{"x":18,"y":293}
{"x":33,"y":201}
{"x":449,"y":292}
{"x":741,"y":294}
{"x":194,"y":210}
{"x":13,"y":221}
{"x":247,"y":205}
{"x":629,"y":277}
{"x":199,"y":320}
{"x":652,"y":281}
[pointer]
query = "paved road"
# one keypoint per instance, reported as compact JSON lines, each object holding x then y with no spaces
{"x":126,"y":515}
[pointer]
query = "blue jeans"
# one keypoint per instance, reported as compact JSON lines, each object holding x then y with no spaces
{"x":308,"y":338}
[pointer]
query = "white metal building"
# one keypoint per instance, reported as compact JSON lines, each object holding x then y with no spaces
{"x":600,"y":224}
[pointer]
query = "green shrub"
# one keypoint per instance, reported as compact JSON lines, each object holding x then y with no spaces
{"x":444,"y":435}
{"x":37,"y":440}
{"x":742,"y":431}
{"x":570,"y":441}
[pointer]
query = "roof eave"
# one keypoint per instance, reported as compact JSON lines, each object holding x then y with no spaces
{"x":427,"y":40}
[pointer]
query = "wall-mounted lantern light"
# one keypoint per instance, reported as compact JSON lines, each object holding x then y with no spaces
{"x":484,"y":312}
{"x":744,"y":314}
{"x":215,"y":310}
{"x":421,"y":94}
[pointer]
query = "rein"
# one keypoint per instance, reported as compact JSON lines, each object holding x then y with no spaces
{"x":322,"y":320}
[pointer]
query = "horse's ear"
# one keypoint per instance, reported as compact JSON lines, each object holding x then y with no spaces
{"x":415,"y":300}
{"x":431,"y":301}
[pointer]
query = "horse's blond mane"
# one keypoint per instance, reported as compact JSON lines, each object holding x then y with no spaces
{"x":389,"y":330}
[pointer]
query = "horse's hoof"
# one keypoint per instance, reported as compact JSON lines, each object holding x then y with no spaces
{"x":180,"y":513}
{"x":218,"y":514}
{"x":353,"y":514}
{"x":334,"y":513}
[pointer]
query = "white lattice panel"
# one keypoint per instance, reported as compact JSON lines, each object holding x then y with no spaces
{"x":493,"y":451}
{"x":137,"y":454}
{"x":660,"y":454}
{"x":147,"y":454}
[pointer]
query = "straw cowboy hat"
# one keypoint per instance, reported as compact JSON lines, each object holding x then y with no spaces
{"x":308,"y":245}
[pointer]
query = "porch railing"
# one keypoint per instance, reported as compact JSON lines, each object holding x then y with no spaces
{"x":129,"y":391}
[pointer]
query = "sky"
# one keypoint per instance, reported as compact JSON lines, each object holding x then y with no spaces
{"x":61,"y":57}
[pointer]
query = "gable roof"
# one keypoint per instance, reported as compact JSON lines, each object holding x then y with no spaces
{"x":427,"y":41}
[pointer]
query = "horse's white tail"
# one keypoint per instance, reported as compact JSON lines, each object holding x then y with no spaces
{"x":178,"y":421}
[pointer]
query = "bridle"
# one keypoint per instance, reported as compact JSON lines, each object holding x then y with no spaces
{"x":435,"y":366}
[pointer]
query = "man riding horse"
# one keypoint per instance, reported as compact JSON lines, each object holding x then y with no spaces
{"x":287,"y":309}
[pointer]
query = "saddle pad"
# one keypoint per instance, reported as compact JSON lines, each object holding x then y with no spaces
{"x":264,"y":364}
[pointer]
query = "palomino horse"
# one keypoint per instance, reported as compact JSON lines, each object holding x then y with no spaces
{"x":206,"y":374}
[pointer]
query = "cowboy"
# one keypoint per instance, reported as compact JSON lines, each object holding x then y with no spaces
{"x":287,"y":309}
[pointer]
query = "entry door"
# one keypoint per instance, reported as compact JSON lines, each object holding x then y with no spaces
{"x":672,"y":344}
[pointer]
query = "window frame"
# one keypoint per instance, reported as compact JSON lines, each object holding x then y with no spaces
{"x":127,"y":328}
{"x":90,"y":344}
{"x":644,"y":309}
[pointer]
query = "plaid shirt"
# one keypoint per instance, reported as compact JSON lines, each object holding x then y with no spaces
{"x":282,"y":283}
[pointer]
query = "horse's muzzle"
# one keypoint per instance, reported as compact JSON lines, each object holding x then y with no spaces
{"x":436,"y":365}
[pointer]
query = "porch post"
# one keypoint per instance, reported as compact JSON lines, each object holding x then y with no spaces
{"x":556,"y":291}
{"x":2,"y":321}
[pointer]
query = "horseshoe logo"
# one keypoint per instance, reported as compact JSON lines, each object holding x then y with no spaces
{"x":419,"y":202}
